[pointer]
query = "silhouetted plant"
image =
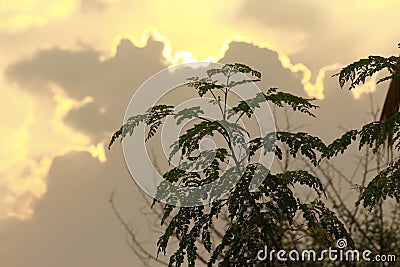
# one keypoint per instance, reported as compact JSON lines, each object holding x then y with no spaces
{"x":256,"y":218}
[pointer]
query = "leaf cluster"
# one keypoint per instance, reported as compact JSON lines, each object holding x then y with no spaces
{"x":256,"y":217}
{"x":356,"y":73}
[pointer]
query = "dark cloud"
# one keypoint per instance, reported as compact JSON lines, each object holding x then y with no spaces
{"x":67,"y":68}
{"x":85,"y":120}
{"x":73,"y":224}
{"x":81,"y":73}
{"x":305,"y":17}
{"x":111,"y":83}
{"x":337,"y":112}
{"x":328,"y":38}
{"x":273,"y":76}
{"x":267,"y":62}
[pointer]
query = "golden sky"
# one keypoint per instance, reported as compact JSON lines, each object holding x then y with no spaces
{"x":190,"y":30}
{"x":311,"y":37}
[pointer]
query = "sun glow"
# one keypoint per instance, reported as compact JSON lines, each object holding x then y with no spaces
{"x":313,"y":89}
{"x":180,"y":57}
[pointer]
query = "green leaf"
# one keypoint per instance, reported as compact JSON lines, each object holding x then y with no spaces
{"x":385,"y":184}
{"x":187,"y":114}
{"x":204,"y":85}
{"x":357,"y":72}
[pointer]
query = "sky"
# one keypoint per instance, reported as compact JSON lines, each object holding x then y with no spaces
{"x":69,"y":67}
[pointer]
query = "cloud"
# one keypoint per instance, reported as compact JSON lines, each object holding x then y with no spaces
{"x":75,"y":91}
{"x":86,"y":95}
{"x":82,"y":74}
{"x":314,"y":34}
{"x":338,"y":32}
{"x":83,"y":96}
{"x":77,"y":101}
{"x":266,"y":61}
{"x":73,"y":225}
{"x":99,"y":27}
{"x":78,"y":119}
{"x":17,"y":185}
{"x":337,"y":108}
{"x":68,"y":92}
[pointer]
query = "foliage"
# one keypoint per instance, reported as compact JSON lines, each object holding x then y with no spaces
{"x":357,"y":72}
{"x":376,"y":134}
{"x":267,"y":215}
{"x":255,"y":218}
